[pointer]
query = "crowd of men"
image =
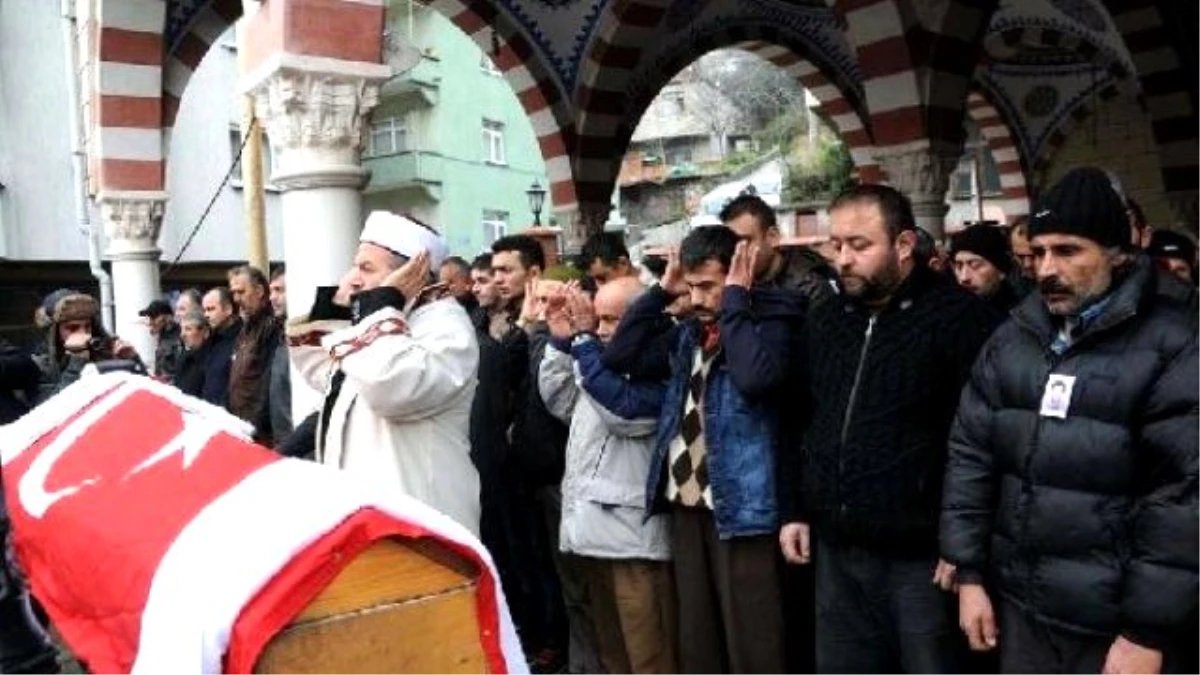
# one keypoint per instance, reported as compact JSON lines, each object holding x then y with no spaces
{"x":879,"y":457}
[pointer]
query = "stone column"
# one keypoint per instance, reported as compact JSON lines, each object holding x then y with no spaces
{"x":314,"y":120}
{"x":131,"y":225}
{"x":1184,"y":209}
{"x":922,"y":174}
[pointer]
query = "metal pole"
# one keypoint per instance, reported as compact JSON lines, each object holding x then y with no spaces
{"x":252,"y":174}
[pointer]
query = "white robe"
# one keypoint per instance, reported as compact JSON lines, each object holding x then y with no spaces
{"x":402,"y":417}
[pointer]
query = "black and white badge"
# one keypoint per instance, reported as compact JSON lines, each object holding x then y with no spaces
{"x":1056,"y":399}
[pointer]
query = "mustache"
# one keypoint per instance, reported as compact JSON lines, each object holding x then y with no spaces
{"x":1052,"y":286}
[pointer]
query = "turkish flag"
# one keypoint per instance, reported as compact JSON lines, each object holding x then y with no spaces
{"x":157,"y":536}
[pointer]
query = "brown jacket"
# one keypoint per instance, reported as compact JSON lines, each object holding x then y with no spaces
{"x":252,"y":364}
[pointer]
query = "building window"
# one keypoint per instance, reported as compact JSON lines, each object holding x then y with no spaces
{"x":493,"y":142}
{"x":495,"y":226}
{"x":487,"y":66}
{"x":677,"y":156}
{"x":671,"y":104}
{"x":268,"y":159}
{"x":389,"y":136}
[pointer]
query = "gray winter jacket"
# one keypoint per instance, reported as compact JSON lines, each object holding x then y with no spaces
{"x":608,"y":456}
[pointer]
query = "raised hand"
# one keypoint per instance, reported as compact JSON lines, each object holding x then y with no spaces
{"x":672,"y":279}
{"x":410,"y":277}
{"x":741,"y":267}
{"x":583,"y":312}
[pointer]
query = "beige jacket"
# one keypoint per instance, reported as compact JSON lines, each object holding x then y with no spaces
{"x":401,"y":417}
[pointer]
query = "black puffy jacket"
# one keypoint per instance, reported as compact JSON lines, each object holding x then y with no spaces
{"x":1089,"y":521}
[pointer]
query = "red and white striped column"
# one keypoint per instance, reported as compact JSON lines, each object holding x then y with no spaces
{"x":123,"y":79}
{"x":314,"y":69}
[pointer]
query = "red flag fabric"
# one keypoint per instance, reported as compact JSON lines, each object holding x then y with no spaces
{"x":159,"y":538}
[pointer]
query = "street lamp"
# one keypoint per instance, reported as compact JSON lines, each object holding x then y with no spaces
{"x":537,"y":197}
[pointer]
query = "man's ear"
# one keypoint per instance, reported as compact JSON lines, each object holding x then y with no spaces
{"x":535,"y":272}
{"x":906,"y":244}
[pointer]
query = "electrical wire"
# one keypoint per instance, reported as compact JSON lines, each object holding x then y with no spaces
{"x":216,"y":194}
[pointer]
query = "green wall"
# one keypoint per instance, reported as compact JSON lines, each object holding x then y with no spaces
{"x":456,"y":184}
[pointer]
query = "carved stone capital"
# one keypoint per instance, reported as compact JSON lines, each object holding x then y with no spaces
{"x":319,"y":111}
{"x":132,"y":221}
{"x":921,"y":173}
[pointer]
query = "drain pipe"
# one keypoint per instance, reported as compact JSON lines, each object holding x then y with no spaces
{"x":79,"y":168}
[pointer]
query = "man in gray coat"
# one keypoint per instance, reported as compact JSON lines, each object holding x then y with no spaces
{"x":612,"y":421}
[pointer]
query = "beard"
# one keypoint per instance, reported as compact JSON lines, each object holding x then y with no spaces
{"x":873,"y":287}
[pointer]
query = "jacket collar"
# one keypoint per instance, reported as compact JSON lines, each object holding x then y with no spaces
{"x":1132,"y":285}
{"x":918,"y":282}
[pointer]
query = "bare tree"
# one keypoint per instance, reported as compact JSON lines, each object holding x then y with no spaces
{"x":758,"y":90}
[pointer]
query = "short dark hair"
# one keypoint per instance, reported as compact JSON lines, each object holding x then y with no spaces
{"x":752,"y":205}
{"x":926,"y":247}
{"x":482,"y":263}
{"x":223,"y":295}
{"x":252,"y":273}
{"x":714,"y":242}
{"x":608,"y":247}
{"x":458,"y":262}
{"x":278,"y":271}
{"x":656,"y":265}
{"x":528,"y":250}
{"x":894,"y":206}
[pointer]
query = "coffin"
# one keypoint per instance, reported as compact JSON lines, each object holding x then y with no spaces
{"x":160,"y":539}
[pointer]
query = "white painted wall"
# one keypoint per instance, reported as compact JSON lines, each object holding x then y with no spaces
{"x":37,"y":220}
{"x":37,"y":203}
{"x":200,"y":154}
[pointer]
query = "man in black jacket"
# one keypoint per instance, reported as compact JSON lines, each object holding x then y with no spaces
{"x":226,"y":326}
{"x":795,"y":269}
{"x":25,"y":646}
{"x":983,"y":264}
{"x":885,"y":365}
{"x":1071,"y":484}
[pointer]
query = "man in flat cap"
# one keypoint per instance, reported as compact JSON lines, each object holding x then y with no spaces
{"x":397,"y":358}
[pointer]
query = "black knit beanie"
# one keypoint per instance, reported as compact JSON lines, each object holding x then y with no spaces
{"x":1084,"y":204}
{"x":987,"y":242}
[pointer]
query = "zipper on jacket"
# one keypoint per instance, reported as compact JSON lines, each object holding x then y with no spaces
{"x":862,"y":360}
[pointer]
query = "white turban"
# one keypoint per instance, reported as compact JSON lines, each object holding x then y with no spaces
{"x":403,"y":236}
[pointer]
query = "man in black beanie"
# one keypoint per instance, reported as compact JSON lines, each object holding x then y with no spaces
{"x":982,"y":263}
{"x":1070,"y":497}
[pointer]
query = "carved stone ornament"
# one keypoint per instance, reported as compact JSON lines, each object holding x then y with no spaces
{"x":308,"y":110}
{"x":132,"y":223}
{"x":922,"y":174}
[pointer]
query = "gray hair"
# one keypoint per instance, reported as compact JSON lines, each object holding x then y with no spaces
{"x":195,"y":319}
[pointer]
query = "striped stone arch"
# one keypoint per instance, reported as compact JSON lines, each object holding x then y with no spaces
{"x":1170,"y":94}
{"x":1085,"y":109}
{"x":915,"y":77}
{"x":122,"y":81}
{"x":1010,"y":162}
{"x":609,"y":111}
{"x":842,"y":114}
{"x":184,"y":54}
{"x":535,"y":87}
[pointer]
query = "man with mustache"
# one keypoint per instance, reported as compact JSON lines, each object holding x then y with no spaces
{"x":1070,"y":491}
{"x":713,"y":467}
{"x":885,"y":363}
